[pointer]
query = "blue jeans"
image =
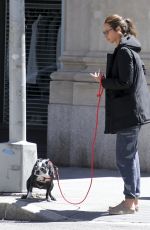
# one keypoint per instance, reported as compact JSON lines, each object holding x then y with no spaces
{"x":127,"y":160}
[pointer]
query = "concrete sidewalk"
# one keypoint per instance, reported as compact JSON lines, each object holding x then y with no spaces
{"x":106,"y":191}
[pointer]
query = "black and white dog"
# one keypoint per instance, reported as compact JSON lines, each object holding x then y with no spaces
{"x":43,"y":173}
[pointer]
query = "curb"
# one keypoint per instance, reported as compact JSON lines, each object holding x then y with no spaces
{"x":19,"y":210}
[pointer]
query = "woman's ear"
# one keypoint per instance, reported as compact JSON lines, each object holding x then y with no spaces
{"x":118,"y":29}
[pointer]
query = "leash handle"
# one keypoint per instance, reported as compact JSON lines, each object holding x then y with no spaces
{"x":99,"y":94}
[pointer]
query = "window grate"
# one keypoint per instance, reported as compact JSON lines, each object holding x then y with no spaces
{"x":42,"y":28}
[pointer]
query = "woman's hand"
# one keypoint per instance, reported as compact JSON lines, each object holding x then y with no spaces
{"x":97,"y":75}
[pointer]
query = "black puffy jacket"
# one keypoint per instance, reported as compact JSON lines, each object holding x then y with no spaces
{"x":127,"y":94}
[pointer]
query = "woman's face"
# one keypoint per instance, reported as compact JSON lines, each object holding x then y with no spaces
{"x":111,"y":35}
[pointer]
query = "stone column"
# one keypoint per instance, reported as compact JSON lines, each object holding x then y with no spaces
{"x":17,"y":156}
{"x":73,"y":92}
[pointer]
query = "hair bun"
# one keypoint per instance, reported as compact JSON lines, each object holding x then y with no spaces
{"x":126,"y":24}
{"x":127,"y":20}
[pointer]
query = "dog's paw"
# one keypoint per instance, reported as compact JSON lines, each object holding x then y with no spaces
{"x":24,"y":197}
{"x":48,"y":199}
{"x":53,"y":198}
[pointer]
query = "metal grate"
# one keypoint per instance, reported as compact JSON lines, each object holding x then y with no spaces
{"x":42,"y":27}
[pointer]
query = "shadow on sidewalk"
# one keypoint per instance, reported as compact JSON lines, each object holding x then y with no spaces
{"x":80,"y":173}
{"x":82,"y":215}
{"x":67,"y":215}
{"x":145,"y":198}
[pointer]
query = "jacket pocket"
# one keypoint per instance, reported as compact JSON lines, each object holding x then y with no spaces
{"x":124,"y":107}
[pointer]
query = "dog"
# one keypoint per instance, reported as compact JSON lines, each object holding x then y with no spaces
{"x":42,"y":176}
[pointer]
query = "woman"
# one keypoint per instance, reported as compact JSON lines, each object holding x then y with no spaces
{"x":127,"y":105}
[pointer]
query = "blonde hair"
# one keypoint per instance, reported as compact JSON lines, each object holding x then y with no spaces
{"x":126,"y":25}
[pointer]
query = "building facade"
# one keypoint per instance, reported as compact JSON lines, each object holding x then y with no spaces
{"x":73,"y":100}
{"x":64,"y":43}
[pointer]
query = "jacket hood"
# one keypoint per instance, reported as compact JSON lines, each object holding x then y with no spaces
{"x":131,"y":42}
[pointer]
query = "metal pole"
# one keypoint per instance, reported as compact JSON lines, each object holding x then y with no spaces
{"x":17,"y":72}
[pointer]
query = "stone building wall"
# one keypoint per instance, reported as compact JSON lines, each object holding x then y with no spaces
{"x":73,"y":93}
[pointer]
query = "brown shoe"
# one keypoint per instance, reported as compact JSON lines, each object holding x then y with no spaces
{"x":136,"y":203}
{"x":121,"y":209}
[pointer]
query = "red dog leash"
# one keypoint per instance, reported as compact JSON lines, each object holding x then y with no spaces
{"x":99,"y":94}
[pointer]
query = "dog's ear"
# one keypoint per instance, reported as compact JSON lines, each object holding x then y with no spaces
{"x":34,"y":166}
{"x":52,"y":169}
